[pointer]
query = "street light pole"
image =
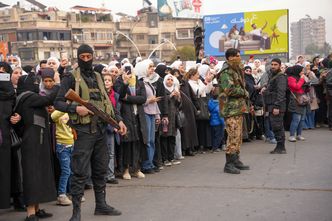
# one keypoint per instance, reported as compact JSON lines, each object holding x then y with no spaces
{"x":129,"y":39}
{"x":163,"y":41}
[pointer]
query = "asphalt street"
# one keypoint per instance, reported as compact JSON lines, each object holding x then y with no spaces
{"x":292,"y":187}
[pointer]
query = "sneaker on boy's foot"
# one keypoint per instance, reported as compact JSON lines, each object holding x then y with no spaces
{"x":292,"y":139}
{"x":63,"y":200}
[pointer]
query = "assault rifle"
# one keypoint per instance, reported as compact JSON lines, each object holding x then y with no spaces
{"x":73,"y":96}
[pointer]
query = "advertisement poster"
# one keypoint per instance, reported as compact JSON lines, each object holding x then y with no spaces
{"x":180,"y":8}
{"x":3,"y":50}
{"x":262,"y":32}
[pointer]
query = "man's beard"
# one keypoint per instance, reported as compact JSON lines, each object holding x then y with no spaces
{"x":275,"y":71}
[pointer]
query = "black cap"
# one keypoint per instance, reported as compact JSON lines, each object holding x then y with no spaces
{"x":276,"y":60}
{"x":84,"y":48}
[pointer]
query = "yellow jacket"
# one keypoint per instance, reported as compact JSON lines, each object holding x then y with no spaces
{"x":63,"y":132}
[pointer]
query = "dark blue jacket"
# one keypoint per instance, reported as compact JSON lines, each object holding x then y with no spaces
{"x":215,"y":118}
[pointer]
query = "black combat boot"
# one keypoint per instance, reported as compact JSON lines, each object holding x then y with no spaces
{"x":229,"y":166}
{"x":101,"y":206}
{"x":76,"y":208}
{"x":238,"y":164}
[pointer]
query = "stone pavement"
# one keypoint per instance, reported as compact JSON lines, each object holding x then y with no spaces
{"x":292,"y":187}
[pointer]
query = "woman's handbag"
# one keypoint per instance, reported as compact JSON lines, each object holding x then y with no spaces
{"x":16,"y":141}
{"x":203,"y":112}
{"x":301,"y":99}
{"x":180,"y":119}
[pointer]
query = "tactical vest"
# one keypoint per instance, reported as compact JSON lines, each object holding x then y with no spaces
{"x":105,"y":103}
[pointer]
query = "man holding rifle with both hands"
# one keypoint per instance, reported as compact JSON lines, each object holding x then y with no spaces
{"x":90,"y":126}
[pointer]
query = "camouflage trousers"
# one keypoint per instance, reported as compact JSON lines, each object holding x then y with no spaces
{"x":234,"y":134}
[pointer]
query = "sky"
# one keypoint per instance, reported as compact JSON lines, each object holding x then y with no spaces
{"x":297,"y":8}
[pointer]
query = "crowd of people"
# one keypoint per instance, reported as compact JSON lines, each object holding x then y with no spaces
{"x":163,"y":114}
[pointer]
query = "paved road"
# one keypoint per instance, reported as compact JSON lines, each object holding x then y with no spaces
{"x":296,"y":186}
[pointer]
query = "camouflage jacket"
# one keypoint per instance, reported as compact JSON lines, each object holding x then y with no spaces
{"x":233,"y":96}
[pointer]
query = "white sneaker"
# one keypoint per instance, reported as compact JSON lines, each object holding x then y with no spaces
{"x":292,"y":139}
{"x":300,"y":138}
{"x":83,"y":199}
{"x":63,"y":200}
{"x":175,"y":162}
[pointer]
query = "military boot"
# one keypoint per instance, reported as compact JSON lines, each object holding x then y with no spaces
{"x":238,"y":164}
{"x":76,"y":208}
{"x":101,"y":206}
{"x":229,"y":166}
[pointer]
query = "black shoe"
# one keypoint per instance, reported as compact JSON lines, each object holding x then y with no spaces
{"x":31,"y":218}
{"x":88,"y":186}
{"x":238,"y":164}
{"x":247,"y":140}
{"x":108,"y":211}
{"x":278,"y":151}
{"x":112,"y":181}
{"x":148,"y":171}
{"x":42,"y":214}
{"x":229,"y":166}
{"x":102,"y":208}
{"x":156,"y":170}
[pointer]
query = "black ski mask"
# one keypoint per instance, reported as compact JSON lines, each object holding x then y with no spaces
{"x":84,"y":48}
{"x":28,"y":83}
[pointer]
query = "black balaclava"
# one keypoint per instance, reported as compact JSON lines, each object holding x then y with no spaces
{"x":84,"y":48}
{"x":28,"y":83}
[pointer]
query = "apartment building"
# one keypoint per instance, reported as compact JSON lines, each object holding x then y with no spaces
{"x":38,"y":34}
{"x":307,"y":31}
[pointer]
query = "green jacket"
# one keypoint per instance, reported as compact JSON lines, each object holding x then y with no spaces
{"x":233,"y":96}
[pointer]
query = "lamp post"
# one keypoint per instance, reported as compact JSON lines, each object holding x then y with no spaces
{"x":163,"y":41}
{"x":129,"y":39}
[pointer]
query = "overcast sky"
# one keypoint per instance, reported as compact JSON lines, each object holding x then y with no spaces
{"x":297,"y":8}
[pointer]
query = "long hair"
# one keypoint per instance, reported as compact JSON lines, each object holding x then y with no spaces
{"x":190,"y":73}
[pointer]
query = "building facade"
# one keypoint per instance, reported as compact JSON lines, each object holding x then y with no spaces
{"x":39,"y":34}
{"x":305,"y":32}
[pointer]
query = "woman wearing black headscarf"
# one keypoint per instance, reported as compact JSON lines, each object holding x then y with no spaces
{"x":7,"y":98}
{"x":38,"y":175}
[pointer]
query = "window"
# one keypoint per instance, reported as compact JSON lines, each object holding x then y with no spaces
{"x":153,"y":39}
{"x":26,"y":54}
{"x":62,"y":36}
{"x":167,"y":35}
{"x":47,"y":54}
{"x":140,"y":37}
{"x":46,"y":36}
{"x":182,"y":34}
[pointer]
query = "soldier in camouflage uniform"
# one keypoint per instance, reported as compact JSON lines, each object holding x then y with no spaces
{"x":233,"y":99}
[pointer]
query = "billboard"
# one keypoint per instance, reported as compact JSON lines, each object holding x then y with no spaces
{"x":180,"y":8}
{"x":261,"y":32}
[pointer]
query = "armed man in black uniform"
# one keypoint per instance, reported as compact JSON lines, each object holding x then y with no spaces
{"x":275,"y":104}
{"x":90,"y":145}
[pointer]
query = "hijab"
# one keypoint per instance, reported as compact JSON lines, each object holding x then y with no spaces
{"x":7,"y":90}
{"x":28,"y":83}
{"x":176,"y":83}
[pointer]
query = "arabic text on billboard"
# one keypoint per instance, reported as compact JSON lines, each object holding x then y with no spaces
{"x":262,"y":32}
{"x":180,"y":8}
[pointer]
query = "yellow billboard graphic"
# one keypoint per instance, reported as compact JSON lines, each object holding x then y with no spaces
{"x":268,"y":30}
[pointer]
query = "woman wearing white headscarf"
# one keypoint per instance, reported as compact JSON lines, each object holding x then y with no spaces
{"x":168,"y":131}
{"x":145,"y":72}
{"x":54,"y":63}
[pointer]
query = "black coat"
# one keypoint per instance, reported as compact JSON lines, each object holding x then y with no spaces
{"x":127,"y":110}
{"x":173,"y":107}
{"x":189,"y":137}
{"x":275,"y":94}
{"x":38,"y":175}
{"x":6,"y":106}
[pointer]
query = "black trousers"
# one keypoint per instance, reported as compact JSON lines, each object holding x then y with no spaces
{"x":167,"y":148}
{"x":89,"y":148}
{"x":277,"y":124}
